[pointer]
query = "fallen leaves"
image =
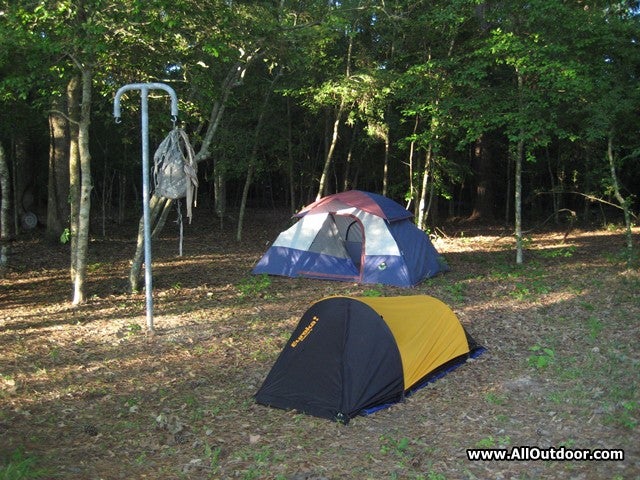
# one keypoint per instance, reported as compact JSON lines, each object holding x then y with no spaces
{"x":87,"y":391}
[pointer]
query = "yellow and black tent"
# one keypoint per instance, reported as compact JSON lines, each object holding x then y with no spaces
{"x":350,"y":356}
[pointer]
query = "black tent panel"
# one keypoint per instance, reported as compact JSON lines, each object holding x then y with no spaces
{"x":307,"y":374}
{"x":372,"y":365}
{"x":340,"y":359}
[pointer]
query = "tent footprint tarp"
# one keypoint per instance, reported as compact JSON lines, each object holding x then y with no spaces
{"x":350,"y":356}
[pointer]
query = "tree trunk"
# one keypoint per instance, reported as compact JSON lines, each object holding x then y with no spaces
{"x":422,"y":212}
{"x":483,"y":201}
{"x":507,"y":202}
{"x":346,"y":181}
{"x":556,"y":188}
{"x":624,"y":203}
{"x":23,"y":177}
{"x":413,"y":191}
{"x":82,"y":246}
{"x":254,"y":155}
{"x":518,"y":179}
{"x":73,"y":104}
{"x":291,"y":161}
{"x":4,"y":210}
{"x":219,"y":192}
{"x":332,"y":146}
{"x":58,"y":183}
{"x":243,"y":201}
{"x":159,"y":208}
{"x":336,"y":126}
{"x":122,"y":190}
{"x":385,"y":173}
{"x":234,"y":77}
{"x":518,"y":200}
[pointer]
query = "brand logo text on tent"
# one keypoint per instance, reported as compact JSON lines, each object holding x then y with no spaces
{"x":305,"y":332}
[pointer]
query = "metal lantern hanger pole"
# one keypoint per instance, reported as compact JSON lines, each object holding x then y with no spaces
{"x":144,"y":92}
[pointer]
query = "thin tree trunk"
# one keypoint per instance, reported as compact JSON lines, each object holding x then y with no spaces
{"x":58,"y":184}
{"x":483,"y":169}
{"x":624,"y":203}
{"x":507,"y":203}
{"x":219,"y":192}
{"x":122,"y":186}
{"x":73,"y":102}
{"x":518,"y":179}
{"x":555,"y":189}
{"x":254,"y":155}
{"x":82,"y":246}
{"x":412,"y":190}
{"x":243,"y":201}
{"x":332,"y":146}
{"x":334,"y":136}
{"x":159,"y":208}
{"x":234,"y":77}
{"x":385,"y":173}
{"x":292,"y":185}
{"x":346,"y":183}
{"x":422,"y":214}
{"x":4,"y":210}
{"x":518,"y":200}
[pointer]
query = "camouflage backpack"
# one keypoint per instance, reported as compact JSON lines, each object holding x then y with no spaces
{"x":175,"y":171}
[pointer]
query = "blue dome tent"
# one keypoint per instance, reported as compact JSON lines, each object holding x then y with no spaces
{"x":354,"y":236}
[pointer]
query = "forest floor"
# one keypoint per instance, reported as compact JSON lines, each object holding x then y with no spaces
{"x":87,"y":395}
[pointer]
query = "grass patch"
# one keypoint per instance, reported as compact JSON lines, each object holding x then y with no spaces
{"x":542,"y":357}
{"x":563,"y":252}
{"x":21,"y":467}
{"x":254,"y":286}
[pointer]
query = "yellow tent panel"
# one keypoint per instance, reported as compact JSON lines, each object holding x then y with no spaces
{"x":427,"y":332}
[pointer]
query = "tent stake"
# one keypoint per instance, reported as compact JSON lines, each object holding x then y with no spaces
{"x":144,"y":93}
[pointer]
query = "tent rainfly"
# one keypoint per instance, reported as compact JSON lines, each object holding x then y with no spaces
{"x":354,"y":236}
{"x":352,"y":356}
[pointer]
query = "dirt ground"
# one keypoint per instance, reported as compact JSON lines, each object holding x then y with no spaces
{"x":88,"y":394}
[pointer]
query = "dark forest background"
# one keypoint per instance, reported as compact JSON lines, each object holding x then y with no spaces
{"x":518,"y":113}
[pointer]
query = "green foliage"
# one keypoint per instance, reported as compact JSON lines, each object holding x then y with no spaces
{"x":494,"y":442}
{"x":541,"y":358}
{"x":456,"y":292}
{"x":372,"y":292}
{"x":564,"y":252}
{"x":626,"y":415}
{"x":431,"y":77}
{"x":254,"y":285}
{"x":133,"y":329}
{"x":530,"y":288}
{"x":595,"y":327}
{"x":212,"y":454}
{"x":494,"y":398}
{"x":65,"y":236}
{"x":21,"y":467}
{"x":390,"y":445}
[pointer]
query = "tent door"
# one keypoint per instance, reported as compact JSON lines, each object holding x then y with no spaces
{"x":354,"y":242}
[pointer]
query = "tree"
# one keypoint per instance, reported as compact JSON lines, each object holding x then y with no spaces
{"x":611,"y":96}
{"x":528,"y":42}
{"x":426,"y":90}
{"x":4,"y":209}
